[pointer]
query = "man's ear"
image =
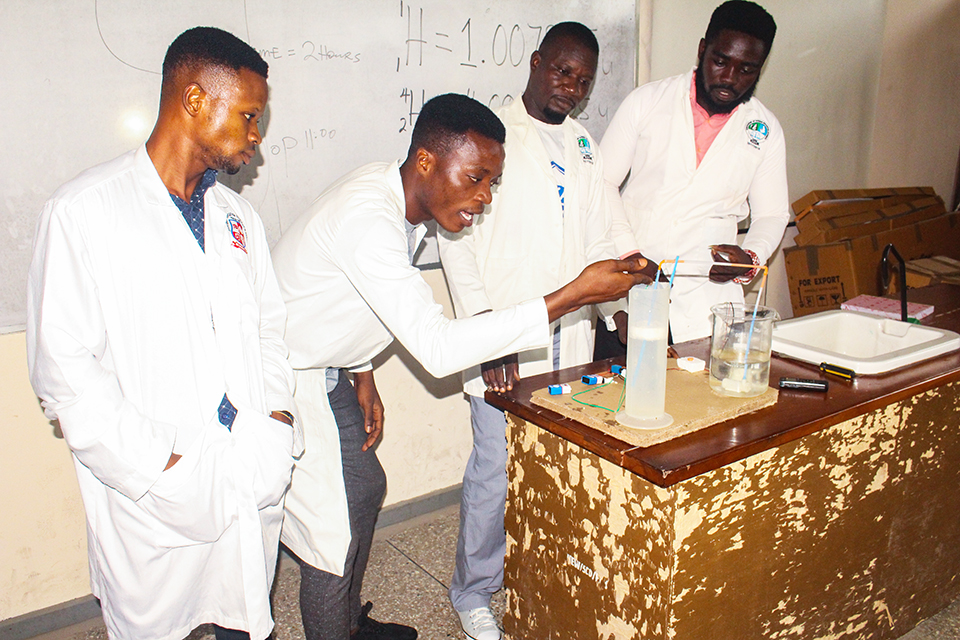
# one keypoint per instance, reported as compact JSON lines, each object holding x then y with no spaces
{"x":426,"y":162}
{"x":701,"y":49}
{"x":193,"y":98}
{"x":535,"y":59}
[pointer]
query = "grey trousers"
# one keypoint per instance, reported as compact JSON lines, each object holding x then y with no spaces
{"x":330,"y":604}
{"x":482,"y":541}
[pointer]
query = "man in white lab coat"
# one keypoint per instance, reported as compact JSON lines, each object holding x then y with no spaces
{"x":547,"y":221}
{"x":702,"y":154}
{"x":154,"y":336}
{"x":345,"y":272}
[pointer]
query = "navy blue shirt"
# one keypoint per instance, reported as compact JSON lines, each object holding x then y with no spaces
{"x":193,"y":214}
{"x":193,"y":211}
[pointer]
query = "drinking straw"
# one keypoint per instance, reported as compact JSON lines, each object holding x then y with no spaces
{"x":722,"y":264}
{"x":673,"y":275}
{"x":756,"y":305}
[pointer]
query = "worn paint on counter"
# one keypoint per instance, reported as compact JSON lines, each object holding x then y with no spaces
{"x":851,"y":532}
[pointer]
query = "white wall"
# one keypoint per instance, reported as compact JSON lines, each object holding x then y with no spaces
{"x":43,"y":542}
{"x":916,"y":137}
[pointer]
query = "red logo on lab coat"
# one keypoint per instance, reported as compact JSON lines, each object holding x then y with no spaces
{"x":237,"y":231}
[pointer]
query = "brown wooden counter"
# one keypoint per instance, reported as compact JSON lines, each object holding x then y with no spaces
{"x":830,"y":515}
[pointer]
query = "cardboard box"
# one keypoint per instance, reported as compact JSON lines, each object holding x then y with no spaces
{"x":808,"y":221}
{"x":824,"y":230}
{"x":821,"y":277}
{"x":834,"y":197}
{"x":929,"y":271}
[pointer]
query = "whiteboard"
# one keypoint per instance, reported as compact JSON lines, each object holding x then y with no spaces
{"x":81,"y":83}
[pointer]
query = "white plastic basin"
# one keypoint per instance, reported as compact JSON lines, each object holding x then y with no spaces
{"x":861,"y":342}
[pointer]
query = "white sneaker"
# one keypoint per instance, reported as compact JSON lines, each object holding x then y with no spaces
{"x":479,"y":624}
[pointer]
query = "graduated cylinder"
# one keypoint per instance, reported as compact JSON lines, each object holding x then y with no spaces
{"x":646,"y":370}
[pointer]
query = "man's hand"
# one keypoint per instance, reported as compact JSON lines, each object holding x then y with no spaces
{"x":369,"y":399}
{"x":282,"y":417}
{"x":620,"y":319}
{"x":172,"y":461}
{"x":500,"y":374}
{"x":603,"y":281}
{"x":651,"y":268}
{"x":728,"y":253}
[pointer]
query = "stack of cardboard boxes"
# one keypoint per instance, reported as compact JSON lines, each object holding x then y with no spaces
{"x":929,"y":271}
{"x":842,"y":234}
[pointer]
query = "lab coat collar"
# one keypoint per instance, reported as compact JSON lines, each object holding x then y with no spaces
{"x":516,"y":118}
{"x":735,"y":123}
{"x":395,"y":183}
{"x":516,"y":114}
{"x":521,"y":123}
{"x":689,"y":140}
{"x":155,"y":192}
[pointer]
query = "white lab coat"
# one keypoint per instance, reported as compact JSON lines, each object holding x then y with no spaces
{"x":345,"y":275}
{"x":133,"y":336}
{"x":676,"y":208}
{"x":525,"y":246}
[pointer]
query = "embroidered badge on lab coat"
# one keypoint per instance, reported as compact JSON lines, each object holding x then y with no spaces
{"x":757,"y":132}
{"x":585,"y":154}
{"x":237,"y":231}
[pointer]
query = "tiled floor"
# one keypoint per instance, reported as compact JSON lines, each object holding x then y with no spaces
{"x":410,"y":568}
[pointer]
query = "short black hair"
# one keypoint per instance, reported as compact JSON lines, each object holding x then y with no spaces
{"x":444,"y":122}
{"x":574,"y":30}
{"x":202,"y":46}
{"x":745,"y":17}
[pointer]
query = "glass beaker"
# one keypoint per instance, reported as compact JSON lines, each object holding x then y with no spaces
{"x":740,"y":349}
{"x":646,"y":371}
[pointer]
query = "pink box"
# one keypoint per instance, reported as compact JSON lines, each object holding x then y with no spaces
{"x":885,"y":307}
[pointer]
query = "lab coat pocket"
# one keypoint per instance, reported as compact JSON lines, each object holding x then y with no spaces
{"x":265,"y":452}
{"x":190,"y":502}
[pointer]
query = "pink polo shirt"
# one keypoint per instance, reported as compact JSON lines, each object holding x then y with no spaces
{"x":705,"y":126}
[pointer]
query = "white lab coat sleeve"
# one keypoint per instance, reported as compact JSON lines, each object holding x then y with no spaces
{"x":459,"y":259}
{"x":277,"y":372}
{"x":617,"y":148}
{"x":599,"y":243}
{"x":279,"y":381}
{"x":66,"y":341}
{"x":769,"y":199}
{"x":373,"y":255}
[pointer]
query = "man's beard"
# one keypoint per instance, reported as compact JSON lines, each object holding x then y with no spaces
{"x":704,"y":97}
{"x":225,"y":164}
